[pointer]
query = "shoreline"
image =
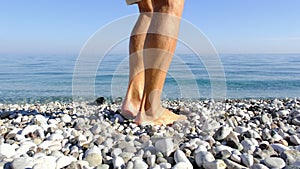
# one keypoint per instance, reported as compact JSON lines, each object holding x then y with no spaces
{"x":235,"y":133}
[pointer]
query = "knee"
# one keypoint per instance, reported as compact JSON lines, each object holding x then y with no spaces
{"x":168,"y":6}
{"x":145,"y":6}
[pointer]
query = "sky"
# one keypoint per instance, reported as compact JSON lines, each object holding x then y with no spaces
{"x":54,"y":27}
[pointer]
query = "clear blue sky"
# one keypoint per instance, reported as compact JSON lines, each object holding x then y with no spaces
{"x":233,"y":26}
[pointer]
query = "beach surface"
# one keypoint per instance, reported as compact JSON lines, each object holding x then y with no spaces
{"x":245,"y":133}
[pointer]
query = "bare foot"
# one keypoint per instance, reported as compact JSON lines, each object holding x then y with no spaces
{"x":129,"y":110}
{"x":166,"y":118}
{"x":132,"y":102}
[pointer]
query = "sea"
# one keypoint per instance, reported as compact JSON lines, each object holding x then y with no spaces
{"x":42,"y":78}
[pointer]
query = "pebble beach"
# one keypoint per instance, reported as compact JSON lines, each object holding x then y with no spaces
{"x":233,"y":134}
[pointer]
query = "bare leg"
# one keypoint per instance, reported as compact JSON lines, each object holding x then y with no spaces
{"x":159,"y":49}
{"x":135,"y":90}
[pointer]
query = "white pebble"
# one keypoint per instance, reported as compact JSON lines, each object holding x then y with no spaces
{"x":165,"y":146}
{"x":118,"y":163}
{"x":7,"y":150}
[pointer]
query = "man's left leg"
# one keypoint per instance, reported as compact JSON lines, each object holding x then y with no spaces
{"x":132,"y":102}
{"x":159,"y":49}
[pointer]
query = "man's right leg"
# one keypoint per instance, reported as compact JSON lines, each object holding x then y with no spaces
{"x":135,"y":89}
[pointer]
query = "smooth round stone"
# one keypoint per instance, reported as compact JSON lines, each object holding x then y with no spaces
{"x":264,"y":118}
{"x":165,"y":146}
{"x":295,"y":139}
{"x":248,"y":146}
{"x":96,"y":129}
{"x":41,"y":119}
{"x":217,"y":164}
{"x":116,"y":152}
{"x":64,"y":161}
{"x":151,"y":160}
{"x":126,"y":156}
{"x":222,"y":133}
{"x":118,"y":118}
{"x":103,"y":166}
{"x":279,"y":147}
{"x":21,"y":163}
{"x":274,"y":162}
{"x":139,"y":164}
{"x":259,"y":166}
{"x":179,"y":156}
{"x":240,"y":129}
{"x":7,"y":150}
{"x":48,"y":162}
{"x":94,"y":159}
{"x":291,"y":156}
{"x":118,"y":162}
{"x":66,"y":118}
{"x":203,"y":157}
{"x":165,"y":165}
{"x":78,"y":165}
{"x":247,"y":159}
{"x":232,"y":164}
{"x":296,"y":121}
{"x":181,"y":165}
{"x":56,"y":137}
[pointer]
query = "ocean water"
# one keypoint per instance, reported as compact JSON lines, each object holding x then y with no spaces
{"x":247,"y":76}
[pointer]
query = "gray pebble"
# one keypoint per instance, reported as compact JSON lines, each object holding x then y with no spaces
{"x":259,"y":166}
{"x":290,"y":156}
{"x":247,"y":159}
{"x":222,"y":133}
{"x":165,"y":146}
{"x":279,"y":147}
{"x":295,"y":139}
{"x":179,"y":156}
{"x":217,"y":164}
{"x":233,"y":165}
{"x":274,"y":162}
{"x":21,"y":163}
{"x":203,"y":157}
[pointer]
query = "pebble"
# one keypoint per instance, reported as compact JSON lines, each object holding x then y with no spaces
{"x":180,"y":165}
{"x":165,"y":146}
{"x":232,"y":134}
{"x":7,"y":150}
{"x":48,"y":162}
{"x":290,"y":156}
{"x":279,"y":147}
{"x":259,"y":166}
{"x":103,"y":166}
{"x":203,"y":157}
{"x":217,"y":164}
{"x":139,"y":164}
{"x":118,"y":163}
{"x":21,"y":163}
{"x":64,"y":161}
{"x":165,"y":165}
{"x":233,"y":165}
{"x":179,"y":156}
{"x":66,"y":118}
{"x":222,"y":133}
{"x":247,"y":159}
{"x":151,"y":160}
{"x":93,"y":156}
{"x":274,"y":162}
{"x":295,"y":139}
